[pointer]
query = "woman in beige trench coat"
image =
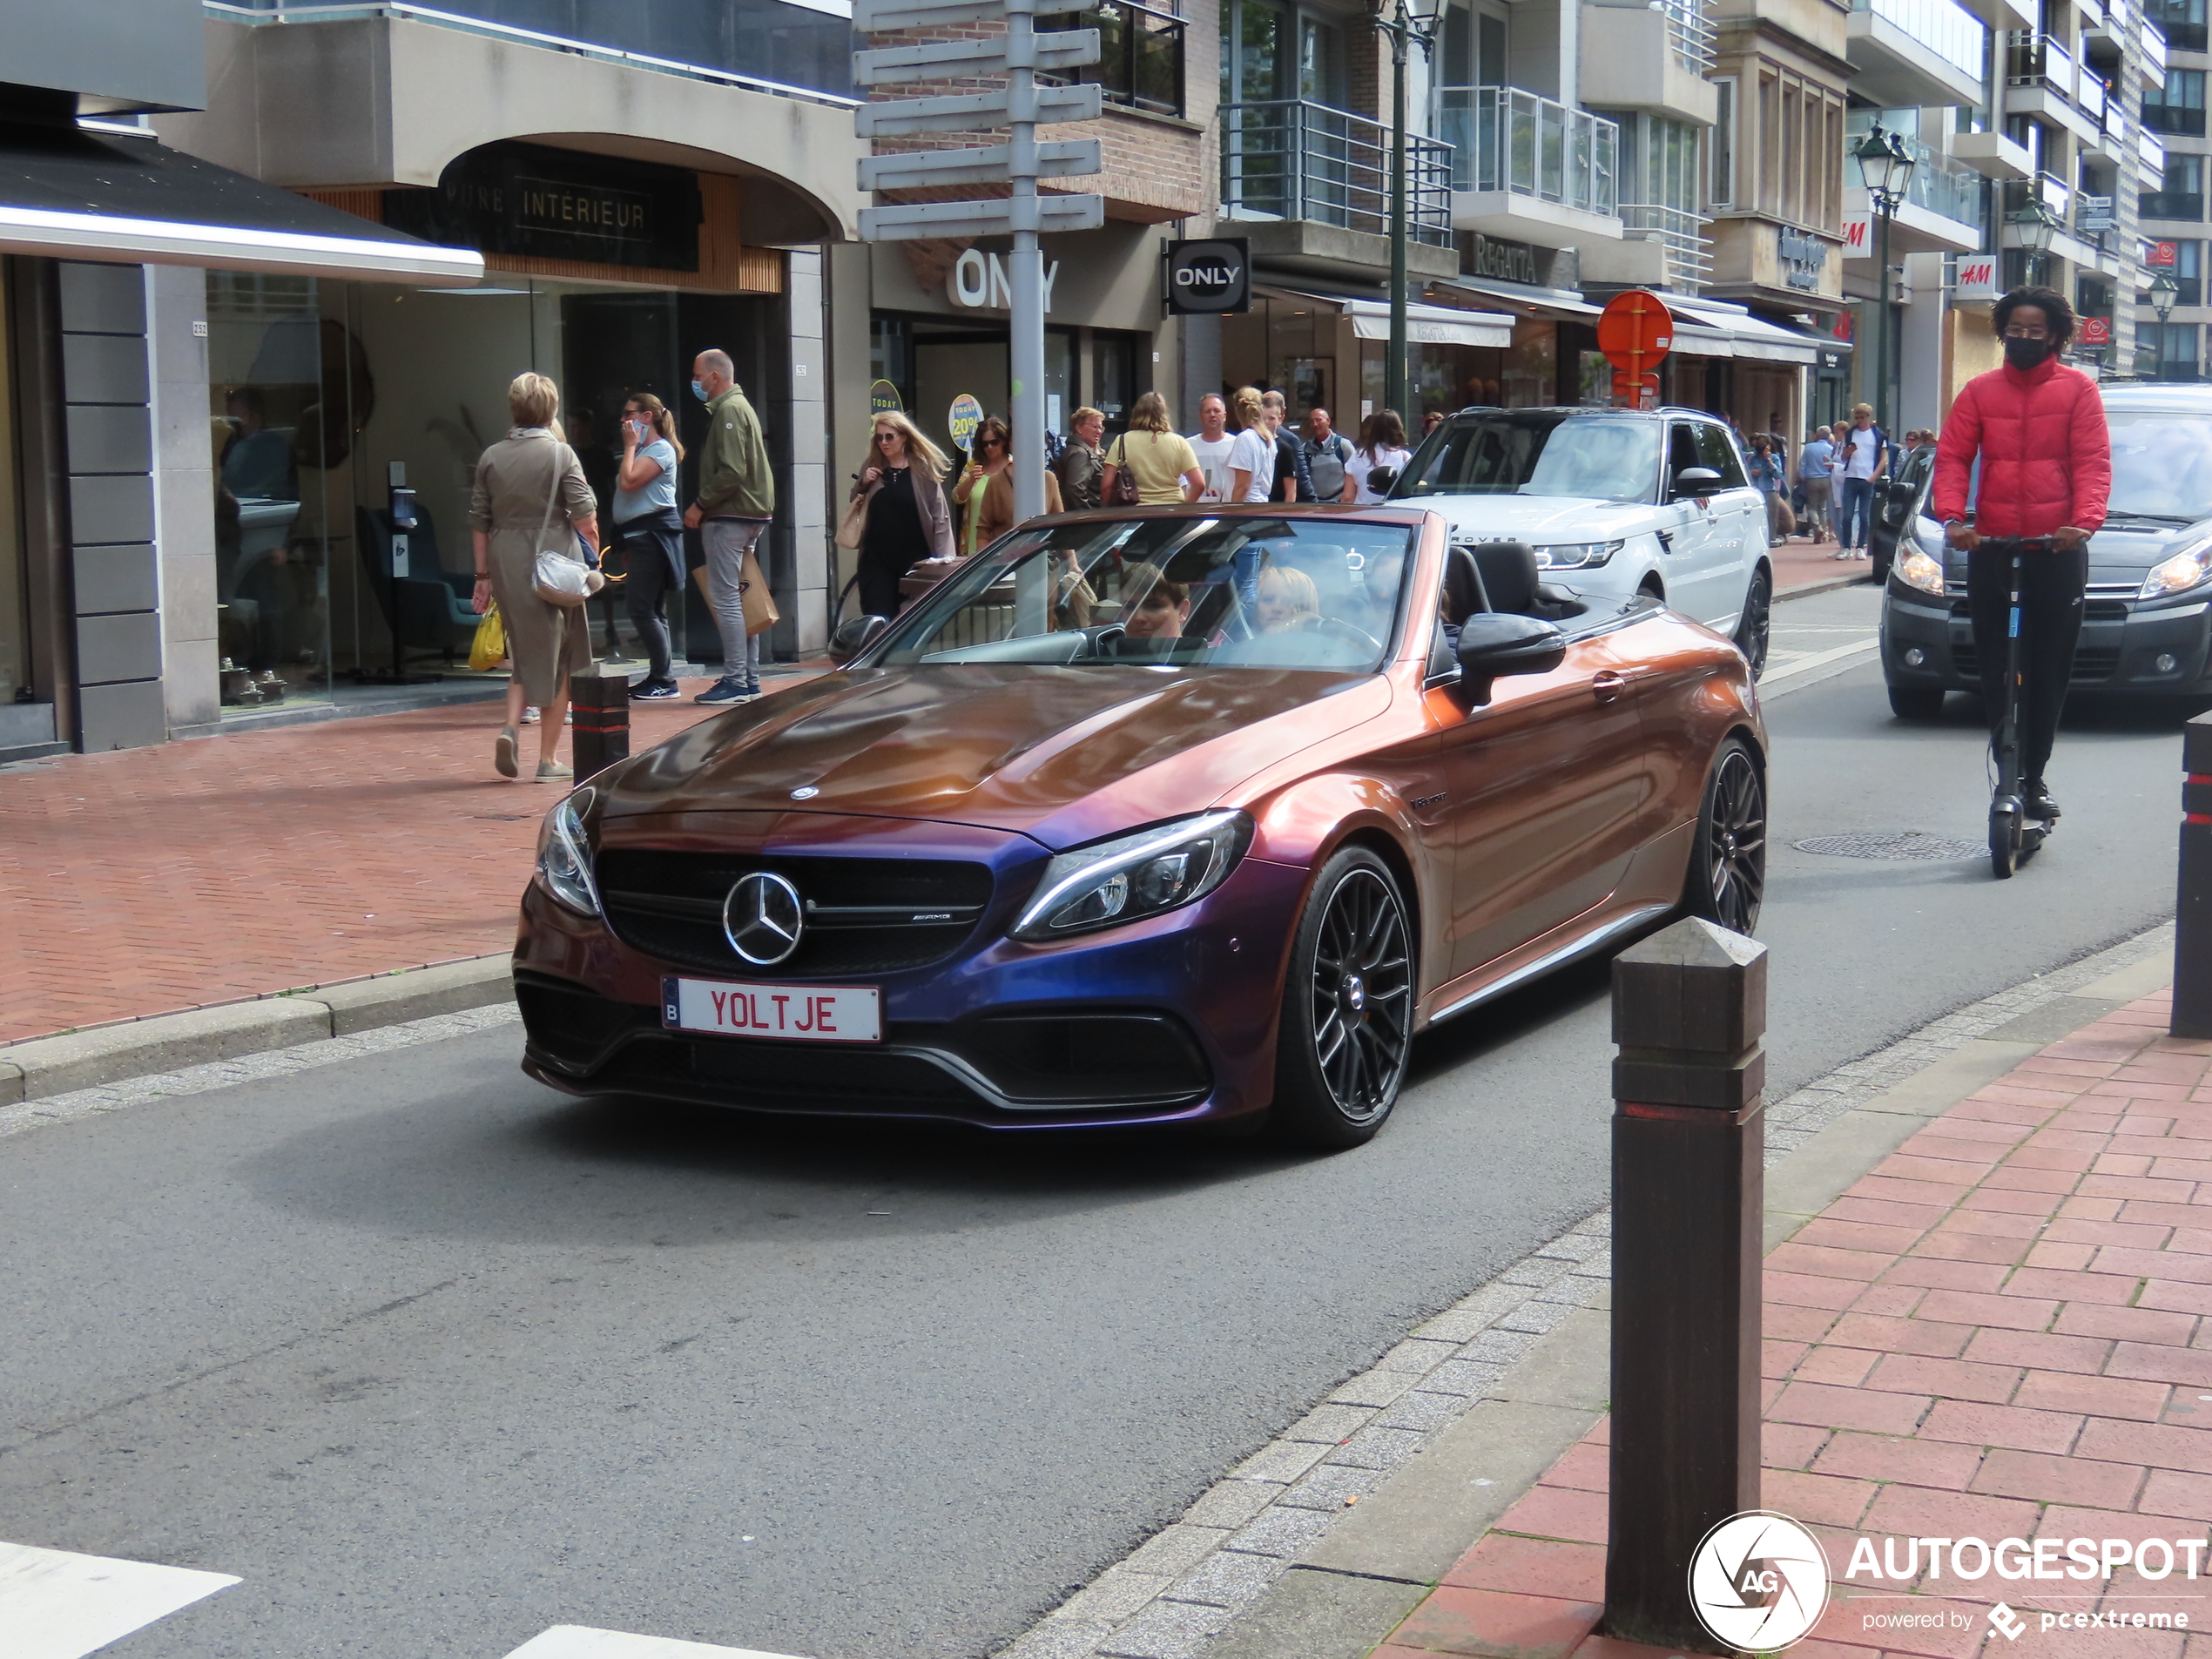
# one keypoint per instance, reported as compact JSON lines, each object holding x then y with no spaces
{"x":529,"y":489}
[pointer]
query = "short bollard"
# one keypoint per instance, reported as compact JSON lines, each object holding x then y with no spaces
{"x":602,"y":703}
{"x":1688,"y":1010}
{"x":2192,"y":1014}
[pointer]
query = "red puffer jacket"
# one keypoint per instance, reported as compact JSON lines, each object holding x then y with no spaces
{"x":2045,"y":456}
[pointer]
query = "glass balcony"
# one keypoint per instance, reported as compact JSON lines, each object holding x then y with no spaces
{"x":769,"y":45}
{"x":1299,"y":160}
{"x":1690,"y":252}
{"x":1503,"y":138}
{"x":1939,"y":184}
{"x":2033,"y":59}
{"x":1950,"y":31}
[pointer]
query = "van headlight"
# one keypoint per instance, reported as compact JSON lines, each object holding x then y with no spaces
{"x":2179,"y":574}
{"x":1575,"y":556}
{"x":1135,"y":876}
{"x":1921,"y":570}
{"x":565,"y":855}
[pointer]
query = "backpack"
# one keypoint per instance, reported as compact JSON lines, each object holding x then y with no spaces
{"x":1324,"y":464}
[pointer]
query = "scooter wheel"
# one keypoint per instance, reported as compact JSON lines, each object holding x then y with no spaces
{"x":2004,"y":841}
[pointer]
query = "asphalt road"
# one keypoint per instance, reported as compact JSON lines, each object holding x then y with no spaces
{"x":433,"y":1358}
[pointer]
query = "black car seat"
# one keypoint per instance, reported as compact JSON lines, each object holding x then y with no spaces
{"x":1463,"y":591}
{"x":1508,"y":570}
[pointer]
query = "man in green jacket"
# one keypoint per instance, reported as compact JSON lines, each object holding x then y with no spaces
{"x":735,"y":500}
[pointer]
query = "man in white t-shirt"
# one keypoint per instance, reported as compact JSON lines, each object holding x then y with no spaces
{"x":1211,"y":444}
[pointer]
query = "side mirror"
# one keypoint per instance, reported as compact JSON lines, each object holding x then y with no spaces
{"x":854,"y":635}
{"x":1696,"y":481}
{"x":1381,"y":478}
{"x":1497,"y":643}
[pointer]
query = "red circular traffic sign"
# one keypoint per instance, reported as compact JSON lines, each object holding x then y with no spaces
{"x":1636,"y":331}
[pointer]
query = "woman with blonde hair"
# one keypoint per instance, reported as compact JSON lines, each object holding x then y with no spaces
{"x":1162,"y":462}
{"x":986,"y":487}
{"x":1251,"y":459}
{"x":531,"y":496}
{"x":649,"y":532}
{"x":901,"y":493}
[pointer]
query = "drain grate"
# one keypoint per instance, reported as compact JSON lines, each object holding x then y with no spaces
{"x":1911,"y":847}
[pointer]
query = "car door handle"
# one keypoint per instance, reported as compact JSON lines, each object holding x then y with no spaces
{"x":1605,"y":685}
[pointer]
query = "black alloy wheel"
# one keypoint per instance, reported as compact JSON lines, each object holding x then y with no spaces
{"x":1347,"y":1023}
{"x":1727,"y":860}
{"x":1756,"y":625}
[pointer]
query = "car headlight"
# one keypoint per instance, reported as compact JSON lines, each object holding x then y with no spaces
{"x":2184,"y":570}
{"x":565,"y":855}
{"x":1575,"y":556}
{"x":1921,"y":570}
{"x":1135,"y":876}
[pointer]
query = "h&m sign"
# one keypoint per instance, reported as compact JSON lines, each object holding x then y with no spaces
{"x":1977,"y":277}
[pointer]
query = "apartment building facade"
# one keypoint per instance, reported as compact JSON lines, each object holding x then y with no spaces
{"x":2170,"y":209}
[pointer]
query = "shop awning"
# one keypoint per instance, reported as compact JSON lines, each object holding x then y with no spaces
{"x":76,"y":193}
{"x":1540,"y":302}
{"x":1712,"y":329}
{"x":1425,"y":325}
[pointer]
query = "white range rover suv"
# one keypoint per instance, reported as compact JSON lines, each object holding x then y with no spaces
{"x":1614,"y":502}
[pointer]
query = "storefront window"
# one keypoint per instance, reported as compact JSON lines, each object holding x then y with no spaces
{"x":14,"y":597}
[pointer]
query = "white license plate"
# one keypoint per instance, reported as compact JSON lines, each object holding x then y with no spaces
{"x":801,"y":1013}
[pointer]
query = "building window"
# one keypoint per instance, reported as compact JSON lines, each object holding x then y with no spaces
{"x":2181,"y":192}
{"x":1252,"y":43}
{"x":2179,"y":106}
{"x":1721,"y":185}
{"x":2183,"y":22}
{"x":2167,"y":351}
{"x":1140,"y":54}
{"x":2187,"y":273}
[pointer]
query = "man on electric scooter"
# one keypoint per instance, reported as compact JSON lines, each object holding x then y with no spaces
{"x":2037,"y":429}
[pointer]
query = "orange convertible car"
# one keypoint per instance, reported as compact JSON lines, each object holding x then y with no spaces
{"x":1153,"y":816}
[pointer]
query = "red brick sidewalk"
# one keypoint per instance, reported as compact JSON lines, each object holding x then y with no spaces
{"x":150,"y":880}
{"x":1803,"y":564}
{"x":1996,"y":1334}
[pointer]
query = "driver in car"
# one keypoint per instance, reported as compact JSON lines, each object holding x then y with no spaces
{"x":1160,"y":609}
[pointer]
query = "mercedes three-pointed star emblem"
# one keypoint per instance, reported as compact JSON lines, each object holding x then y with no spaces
{"x":763,"y":918}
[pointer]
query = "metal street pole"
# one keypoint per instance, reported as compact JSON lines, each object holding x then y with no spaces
{"x":1882,"y":330}
{"x":1394,"y":367}
{"x":1026,"y":325}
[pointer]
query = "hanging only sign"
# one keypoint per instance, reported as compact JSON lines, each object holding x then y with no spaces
{"x":962,"y":418}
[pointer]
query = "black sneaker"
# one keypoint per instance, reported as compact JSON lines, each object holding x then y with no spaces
{"x":653,"y":691}
{"x":2037,"y":802}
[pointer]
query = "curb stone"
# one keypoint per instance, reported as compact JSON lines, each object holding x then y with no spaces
{"x":1403,"y":1466}
{"x":42,"y":1067}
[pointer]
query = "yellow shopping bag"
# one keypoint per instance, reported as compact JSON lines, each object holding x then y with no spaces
{"x":491,"y":645}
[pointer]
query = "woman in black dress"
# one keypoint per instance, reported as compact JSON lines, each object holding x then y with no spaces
{"x":907,"y":519}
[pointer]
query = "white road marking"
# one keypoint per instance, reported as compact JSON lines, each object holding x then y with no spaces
{"x":1817,"y":659}
{"x":581,"y":1642}
{"x":56,"y":1605}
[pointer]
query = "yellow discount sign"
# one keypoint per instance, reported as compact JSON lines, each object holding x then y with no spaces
{"x":961,"y":420}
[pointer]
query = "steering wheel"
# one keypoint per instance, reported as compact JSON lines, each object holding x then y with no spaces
{"x":1337,"y":628}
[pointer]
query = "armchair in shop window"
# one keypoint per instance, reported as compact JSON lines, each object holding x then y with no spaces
{"x":436,"y":607}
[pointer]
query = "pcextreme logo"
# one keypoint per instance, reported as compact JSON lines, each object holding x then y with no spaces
{"x":1759,"y":1581}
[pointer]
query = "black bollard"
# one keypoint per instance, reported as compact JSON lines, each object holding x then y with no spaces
{"x":1688,"y":1010}
{"x":602,"y":703}
{"x":2192,"y":1016}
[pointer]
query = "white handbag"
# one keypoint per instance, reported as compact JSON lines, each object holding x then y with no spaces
{"x":562,"y":578}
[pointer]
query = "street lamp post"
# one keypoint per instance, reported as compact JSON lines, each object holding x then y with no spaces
{"x":1408,"y":23}
{"x":2164,"y":291}
{"x":1885,"y":167}
{"x":2036,"y":225}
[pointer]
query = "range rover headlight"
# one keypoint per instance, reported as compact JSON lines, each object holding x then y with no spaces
{"x":1575,"y":556}
{"x":2179,"y":574}
{"x":1921,"y":570}
{"x":565,"y":855}
{"x":1135,"y":876}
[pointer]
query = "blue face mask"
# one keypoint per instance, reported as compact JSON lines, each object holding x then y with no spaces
{"x":699,"y":391}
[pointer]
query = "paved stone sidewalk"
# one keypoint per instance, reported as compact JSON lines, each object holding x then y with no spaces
{"x":1997,"y":1333}
{"x":151,"y":881}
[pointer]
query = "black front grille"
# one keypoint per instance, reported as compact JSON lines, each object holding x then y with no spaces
{"x":863,"y":915}
{"x":2092,"y":665}
{"x":573,"y":1025}
{"x":797,"y":1076}
{"x":2106,"y":610}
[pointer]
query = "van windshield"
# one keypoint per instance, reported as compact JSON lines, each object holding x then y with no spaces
{"x":1536,"y":452}
{"x":2162,"y":464}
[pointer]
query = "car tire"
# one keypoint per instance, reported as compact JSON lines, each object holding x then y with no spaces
{"x":1727,"y":879}
{"x":1347,"y":1021}
{"x":1917,"y":702}
{"x":1756,"y":624}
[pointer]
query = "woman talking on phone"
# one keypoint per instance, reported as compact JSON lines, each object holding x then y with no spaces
{"x":650,"y":531}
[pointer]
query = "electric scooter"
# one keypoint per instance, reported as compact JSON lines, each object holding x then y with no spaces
{"x":2013,"y":839}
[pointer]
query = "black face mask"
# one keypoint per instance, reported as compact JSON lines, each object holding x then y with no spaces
{"x":2023,"y":353}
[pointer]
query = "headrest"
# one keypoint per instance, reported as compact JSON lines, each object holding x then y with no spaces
{"x":1463,"y":596}
{"x":1508,"y":574}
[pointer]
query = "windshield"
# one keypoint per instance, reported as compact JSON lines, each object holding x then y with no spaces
{"x":1180,"y":590}
{"x":2162,"y":464}
{"x":1536,"y":453}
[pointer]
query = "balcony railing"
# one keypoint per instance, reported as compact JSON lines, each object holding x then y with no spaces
{"x":1504,"y":138}
{"x":1296,"y":160}
{"x":1937,"y":182}
{"x":2172,"y":204}
{"x":1690,"y":36}
{"x":1140,"y":54}
{"x":765,"y":44}
{"x":1690,"y":252}
{"x":2174,"y":118}
{"x":1948,"y":30}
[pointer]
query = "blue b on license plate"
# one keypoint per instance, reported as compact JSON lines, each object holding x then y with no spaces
{"x":795,"y":1013}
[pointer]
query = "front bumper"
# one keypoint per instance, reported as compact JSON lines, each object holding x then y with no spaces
{"x":2122,"y":641}
{"x":1166,"y":1021}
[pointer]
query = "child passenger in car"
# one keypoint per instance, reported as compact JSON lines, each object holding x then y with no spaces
{"x":1287,"y":599}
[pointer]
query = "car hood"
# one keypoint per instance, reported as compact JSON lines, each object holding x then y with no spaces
{"x":2124,"y":553}
{"x":1062,"y":754}
{"x":1538,"y":519}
